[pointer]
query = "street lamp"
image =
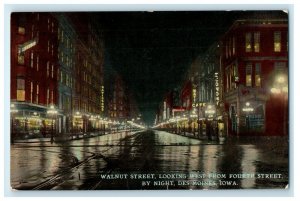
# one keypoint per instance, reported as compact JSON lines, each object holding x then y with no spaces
{"x":13,"y":111}
{"x":280,"y":89}
{"x":52,"y":112}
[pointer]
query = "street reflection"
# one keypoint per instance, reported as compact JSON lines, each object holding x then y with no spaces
{"x":80,"y":162}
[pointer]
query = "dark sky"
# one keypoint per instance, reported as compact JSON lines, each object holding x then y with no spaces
{"x":153,"y":50}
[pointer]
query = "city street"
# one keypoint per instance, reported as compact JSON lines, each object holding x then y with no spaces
{"x":130,"y":160}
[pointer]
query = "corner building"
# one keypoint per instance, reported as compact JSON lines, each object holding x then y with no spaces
{"x":34,"y":68}
{"x":254,"y":69}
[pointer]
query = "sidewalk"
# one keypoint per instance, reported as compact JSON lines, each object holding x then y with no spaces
{"x":68,"y":137}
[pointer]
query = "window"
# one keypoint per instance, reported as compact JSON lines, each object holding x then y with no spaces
{"x":31,"y":60}
{"x":48,"y":68}
{"x":31,"y":92}
{"x":52,"y":97}
{"x":48,"y":96}
{"x":61,"y":77}
{"x":48,"y":46}
{"x":37,"y":93}
{"x":249,"y":75}
{"x":258,"y":75}
{"x":52,"y":49}
{"x":248,"y":42}
{"x":48,"y":24}
{"x":277,"y":41}
{"x":37,"y":63}
{"x":32,"y":31}
{"x":256,"y":42}
{"x":233,"y":46}
{"x":21,"y":30}
{"x":21,"y":59}
{"x":20,"y":89}
{"x":52,"y":71}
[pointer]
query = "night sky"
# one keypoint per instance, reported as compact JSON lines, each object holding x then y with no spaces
{"x":153,"y":50}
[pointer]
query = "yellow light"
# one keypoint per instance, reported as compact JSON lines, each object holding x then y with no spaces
{"x":247,"y":104}
{"x":280,"y":79}
{"x":285,"y":89}
{"x":275,"y":90}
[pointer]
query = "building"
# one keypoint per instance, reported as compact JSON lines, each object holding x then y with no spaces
{"x":34,"y":73}
{"x":118,"y":106}
{"x":254,"y":69}
{"x":56,"y":74}
{"x":66,"y":57}
{"x":88,"y":76}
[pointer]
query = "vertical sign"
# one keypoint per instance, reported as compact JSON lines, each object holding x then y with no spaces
{"x":102,"y":99}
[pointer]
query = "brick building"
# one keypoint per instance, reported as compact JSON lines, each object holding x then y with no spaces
{"x":34,"y":68}
{"x":254,"y":68}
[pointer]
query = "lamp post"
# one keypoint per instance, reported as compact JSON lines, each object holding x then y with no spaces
{"x":280,"y":89}
{"x":209,"y":114}
{"x":13,"y":111}
{"x":52,"y":112}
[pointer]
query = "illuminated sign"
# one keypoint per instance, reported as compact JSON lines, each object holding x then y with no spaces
{"x":217,"y":88}
{"x":102,"y":98}
{"x":194,"y":95}
{"x":22,"y":48}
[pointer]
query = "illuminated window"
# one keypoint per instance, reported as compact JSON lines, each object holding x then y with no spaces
{"x":248,"y":42}
{"x":277,"y":41}
{"x":37,"y":63}
{"x":61,"y":77}
{"x":21,"y":30}
{"x":48,"y":68}
{"x":52,"y":71}
{"x":20,"y":89}
{"x":52,"y":49}
{"x":31,"y":92}
{"x":249,"y":75}
{"x":48,"y":46}
{"x":31,"y":60}
{"x":258,"y":75}
{"x":256,"y":42}
{"x":37,"y":93}
{"x":21,"y":59}
{"x":48,"y":93}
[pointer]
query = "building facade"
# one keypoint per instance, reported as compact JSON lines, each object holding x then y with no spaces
{"x":34,"y":72}
{"x":254,"y":65}
{"x":66,"y":58}
{"x":56,"y":74}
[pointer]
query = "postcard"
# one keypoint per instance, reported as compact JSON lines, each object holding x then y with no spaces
{"x":159,"y":100}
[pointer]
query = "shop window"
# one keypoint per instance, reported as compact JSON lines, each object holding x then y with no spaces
{"x":256,"y":42}
{"x":249,"y":75}
{"x":258,"y":75}
{"x":277,"y":41}
{"x":20,"y":89}
{"x":248,"y":45}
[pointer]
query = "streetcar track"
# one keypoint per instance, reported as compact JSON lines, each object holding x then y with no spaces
{"x":60,"y":175}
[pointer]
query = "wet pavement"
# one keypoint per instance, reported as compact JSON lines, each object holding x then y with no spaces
{"x":149,"y":160}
